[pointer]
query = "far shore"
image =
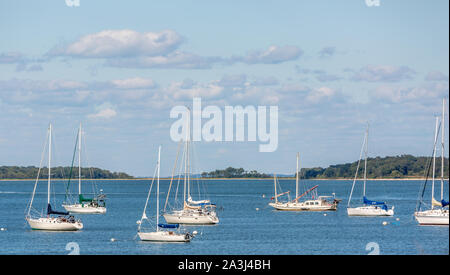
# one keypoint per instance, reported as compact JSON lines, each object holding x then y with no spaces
{"x":168,"y":178}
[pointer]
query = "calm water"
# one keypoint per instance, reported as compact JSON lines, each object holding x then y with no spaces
{"x":242,"y":229}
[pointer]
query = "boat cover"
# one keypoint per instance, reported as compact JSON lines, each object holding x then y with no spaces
{"x":50,"y":211}
{"x":83,"y":199}
{"x":370,"y":202}
{"x":163,"y":225}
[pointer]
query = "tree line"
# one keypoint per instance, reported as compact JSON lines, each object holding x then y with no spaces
{"x":404,"y":166}
{"x":31,"y":172}
{"x":231,"y":172}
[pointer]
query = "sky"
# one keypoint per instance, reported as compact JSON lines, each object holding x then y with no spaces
{"x":119,"y":67}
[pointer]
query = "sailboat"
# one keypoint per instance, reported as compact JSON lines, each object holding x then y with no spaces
{"x":193,"y":211}
{"x":439,"y":212}
{"x":84,"y":205}
{"x":62,"y":222}
{"x":369,"y":207}
{"x":316,"y":203}
{"x":160,"y":235}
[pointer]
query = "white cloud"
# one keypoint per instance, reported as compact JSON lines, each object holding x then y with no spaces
{"x":273,"y":55}
{"x":133,"y":83}
{"x":318,"y":94}
{"x":11,"y":57}
{"x":104,"y":111}
{"x":383,"y":73}
{"x":421,"y":94}
{"x":436,"y":76}
{"x":175,"y":60}
{"x":207,"y":90}
{"x":121,"y":43}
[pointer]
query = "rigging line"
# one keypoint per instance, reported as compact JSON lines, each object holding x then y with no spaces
{"x":148,"y":195}
{"x":37,"y":178}
{"x":71,"y":167}
{"x":88,"y":171}
{"x":173,"y":174}
{"x":427,"y":173}
{"x":357,"y":169}
{"x":89,"y":168}
{"x":194,"y":168}
{"x":180,"y":171}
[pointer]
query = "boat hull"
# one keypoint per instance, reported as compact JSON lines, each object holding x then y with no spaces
{"x":302,"y":207}
{"x":190,"y":218}
{"x":164,"y":236}
{"x":369,"y":211}
{"x":86,"y":209}
{"x":432,"y":217}
{"x":53,"y":224}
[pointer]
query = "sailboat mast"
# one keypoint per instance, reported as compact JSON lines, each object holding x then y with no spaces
{"x":185,"y":157}
{"x":442,"y":151}
{"x":275,"y":186}
{"x":365,"y":159}
{"x":49,"y":162}
{"x":434,"y":161}
{"x":188,"y":169}
{"x":296,"y":178}
{"x":157,"y":189}
{"x":79,"y":161}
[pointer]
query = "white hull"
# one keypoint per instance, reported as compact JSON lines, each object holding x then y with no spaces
{"x":432,"y":217}
{"x":292,"y":206}
{"x":53,"y":224}
{"x":182,"y":217}
{"x":164,"y":236}
{"x":370,"y":211}
{"x":84,"y":209}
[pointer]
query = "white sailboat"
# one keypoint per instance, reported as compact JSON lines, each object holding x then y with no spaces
{"x":195,"y":212}
{"x":84,"y":205}
{"x":316,"y":203}
{"x":62,"y":222}
{"x":369,"y":208}
{"x":438,"y":214}
{"x":160,"y":235}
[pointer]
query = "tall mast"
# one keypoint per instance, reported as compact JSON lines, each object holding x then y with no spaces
{"x":186,"y":156}
{"x":157,"y":189}
{"x":434,"y":161}
{"x":79,"y":161}
{"x":296,"y":178}
{"x":275,"y":186}
{"x":442,"y":151}
{"x":49,"y":162}
{"x":188,"y":166}
{"x":365,"y":158}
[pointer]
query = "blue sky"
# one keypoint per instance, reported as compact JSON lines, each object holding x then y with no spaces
{"x":120,"y":66}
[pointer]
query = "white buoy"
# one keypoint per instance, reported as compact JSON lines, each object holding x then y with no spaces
{"x":2,"y":229}
{"x":257,"y":209}
{"x":397,"y":219}
{"x":264,"y":195}
{"x":385,"y":223}
{"x":325,"y":214}
{"x":194,"y":232}
{"x":113,"y":240}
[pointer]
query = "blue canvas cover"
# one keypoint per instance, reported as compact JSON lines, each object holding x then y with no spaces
{"x":370,"y":202}
{"x":444,"y":203}
{"x":163,"y":225}
{"x":50,"y":211}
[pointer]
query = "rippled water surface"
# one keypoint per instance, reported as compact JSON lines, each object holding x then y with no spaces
{"x":247,"y":225}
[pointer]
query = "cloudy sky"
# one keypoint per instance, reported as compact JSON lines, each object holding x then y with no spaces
{"x":119,"y":67}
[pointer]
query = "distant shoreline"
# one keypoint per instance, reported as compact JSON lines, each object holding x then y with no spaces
{"x":287,"y":178}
